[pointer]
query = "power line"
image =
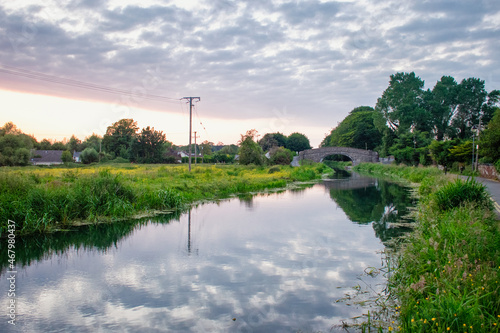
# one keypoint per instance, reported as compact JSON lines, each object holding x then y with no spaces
{"x":80,"y":84}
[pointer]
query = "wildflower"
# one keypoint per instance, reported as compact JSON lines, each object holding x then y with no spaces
{"x":447,"y":328}
{"x":412,"y":320}
{"x":433,"y":319}
{"x":390,"y":329}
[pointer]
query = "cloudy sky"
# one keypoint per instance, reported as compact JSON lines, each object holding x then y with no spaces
{"x":275,"y":65}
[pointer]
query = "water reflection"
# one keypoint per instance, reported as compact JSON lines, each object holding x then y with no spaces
{"x":279,"y":266}
{"x":366,"y":200}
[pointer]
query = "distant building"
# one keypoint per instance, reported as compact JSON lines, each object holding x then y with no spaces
{"x":46,"y":157}
{"x":76,"y":157}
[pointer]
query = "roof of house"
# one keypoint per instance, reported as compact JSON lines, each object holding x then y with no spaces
{"x":76,"y":154}
{"x":47,"y":156}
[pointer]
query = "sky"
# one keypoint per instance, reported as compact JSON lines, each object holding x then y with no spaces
{"x":273,"y":65}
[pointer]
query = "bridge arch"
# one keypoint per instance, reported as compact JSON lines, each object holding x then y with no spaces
{"x":356,"y":155}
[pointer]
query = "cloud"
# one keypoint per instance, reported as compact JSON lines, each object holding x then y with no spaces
{"x":318,"y":59}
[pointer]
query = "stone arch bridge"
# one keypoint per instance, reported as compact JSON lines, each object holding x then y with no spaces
{"x":356,"y":155}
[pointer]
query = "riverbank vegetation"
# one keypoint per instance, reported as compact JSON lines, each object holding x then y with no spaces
{"x":448,"y":271}
{"x":45,"y":199}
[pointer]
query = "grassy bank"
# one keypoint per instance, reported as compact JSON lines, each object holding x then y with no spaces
{"x":44,"y":199}
{"x":448,"y":271}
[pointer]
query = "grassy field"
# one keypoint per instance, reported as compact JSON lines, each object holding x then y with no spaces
{"x":448,"y":270}
{"x":45,"y":199}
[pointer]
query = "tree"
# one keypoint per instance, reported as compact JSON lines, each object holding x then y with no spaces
{"x":149,"y":146}
{"x":93,"y":141}
{"x":15,"y":148}
{"x":490,"y":138}
{"x":411,"y":148}
{"x":442,"y":104}
{"x":357,"y":130}
{"x":475,"y":105}
{"x":280,"y":155}
{"x":297,"y":142}
{"x":206,"y":148}
{"x":74,"y":144}
{"x":401,"y":105}
{"x":66,"y":156}
{"x":462,"y":152}
{"x":119,"y":137}
{"x":229,"y":150}
{"x":250,"y":152}
{"x":89,"y":155}
{"x":440,"y":152}
{"x":270,"y":140}
{"x":45,"y":145}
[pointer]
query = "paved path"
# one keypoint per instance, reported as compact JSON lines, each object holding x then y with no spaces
{"x":494,"y":189}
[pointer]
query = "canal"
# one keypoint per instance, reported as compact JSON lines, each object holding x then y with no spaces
{"x":286,"y":261}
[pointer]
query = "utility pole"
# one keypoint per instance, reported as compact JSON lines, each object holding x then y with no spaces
{"x":195,"y":152}
{"x":190,"y":124}
{"x":477,"y":145}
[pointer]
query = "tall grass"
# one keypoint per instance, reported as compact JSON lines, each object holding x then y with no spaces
{"x":43,"y":199}
{"x":448,"y":273}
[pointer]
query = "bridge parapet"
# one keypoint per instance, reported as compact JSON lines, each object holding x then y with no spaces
{"x":356,"y":155}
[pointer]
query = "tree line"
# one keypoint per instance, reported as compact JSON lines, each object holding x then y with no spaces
{"x":419,"y":126}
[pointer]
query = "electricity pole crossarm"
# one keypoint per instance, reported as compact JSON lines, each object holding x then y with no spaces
{"x":190,"y":123}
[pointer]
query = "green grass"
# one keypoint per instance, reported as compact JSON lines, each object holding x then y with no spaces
{"x":44,"y":199}
{"x":448,"y":270}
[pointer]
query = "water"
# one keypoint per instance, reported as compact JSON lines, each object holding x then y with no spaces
{"x":269,"y":263}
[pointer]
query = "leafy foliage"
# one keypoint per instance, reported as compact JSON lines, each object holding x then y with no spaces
{"x":280,"y":155}
{"x":297,"y":142}
{"x":66,"y":156}
{"x":89,"y":155}
{"x":357,"y":130}
{"x":250,"y":152}
{"x":490,"y":140}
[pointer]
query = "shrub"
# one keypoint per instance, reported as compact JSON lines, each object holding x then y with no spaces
{"x":66,"y":156}
{"x":280,"y":155}
{"x":458,"y":193}
{"x":89,"y":155}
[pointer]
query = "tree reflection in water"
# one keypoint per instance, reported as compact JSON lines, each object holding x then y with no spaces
{"x":368,"y":200}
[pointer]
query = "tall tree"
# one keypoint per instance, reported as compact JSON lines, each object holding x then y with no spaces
{"x":74,"y":144}
{"x":297,"y":142}
{"x":357,"y":130}
{"x":119,"y":137}
{"x":270,"y":140}
{"x":250,"y":152}
{"x":206,"y":148}
{"x":475,"y":106}
{"x":442,"y":104}
{"x":490,"y":139}
{"x":93,"y":141}
{"x":402,"y":104}
{"x":149,"y":146}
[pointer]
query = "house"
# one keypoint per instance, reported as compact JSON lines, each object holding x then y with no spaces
{"x":76,"y":157}
{"x":46,"y":157}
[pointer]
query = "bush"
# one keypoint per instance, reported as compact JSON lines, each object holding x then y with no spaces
{"x":89,"y":155}
{"x":280,"y":155}
{"x":458,"y":193}
{"x":66,"y":156}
